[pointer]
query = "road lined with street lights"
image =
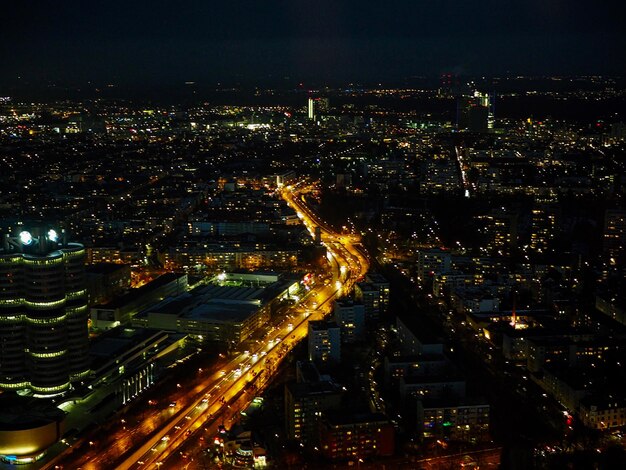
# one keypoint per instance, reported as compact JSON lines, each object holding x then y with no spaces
{"x":154,"y":441}
{"x":348,"y":264}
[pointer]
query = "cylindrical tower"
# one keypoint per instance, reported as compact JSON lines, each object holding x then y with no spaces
{"x":46,"y":332}
{"x":43,"y":313}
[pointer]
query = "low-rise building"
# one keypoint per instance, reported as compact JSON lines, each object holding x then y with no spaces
{"x":226,"y":311}
{"x":121,"y":310}
{"x":346,"y":436}
{"x":603,"y":412}
{"x":458,"y":419}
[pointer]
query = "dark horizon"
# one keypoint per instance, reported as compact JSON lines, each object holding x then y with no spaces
{"x":159,"y":43}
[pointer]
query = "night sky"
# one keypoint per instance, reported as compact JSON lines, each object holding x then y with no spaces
{"x":158,"y":42}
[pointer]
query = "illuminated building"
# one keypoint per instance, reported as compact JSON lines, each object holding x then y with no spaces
{"x":315,"y":105}
{"x":27,"y":428}
{"x":475,"y":113}
{"x":543,"y":227}
{"x":446,"y":284}
{"x":304,"y":405}
{"x":350,"y":317}
{"x":125,"y":360}
{"x":602,"y":412}
{"x":324,"y":341}
{"x":499,"y":229}
{"x":356,"y":436}
{"x":44,"y":340}
{"x":374,"y":295}
{"x":225,"y":311}
{"x":614,"y":236}
{"x":368,"y":295}
{"x":311,"y":109}
{"x":454,"y":419}
{"x":432,"y":262}
{"x":121,"y":310}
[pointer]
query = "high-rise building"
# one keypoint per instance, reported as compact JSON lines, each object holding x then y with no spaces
{"x":324,"y":341}
{"x":368,"y":295}
{"x":475,"y":113}
{"x":315,"y":106}
{"x":311,"y":109}
{"x":44,"y":339}
{"x":543,"y":227}
{"x":374,"y":294}
{"x":499,"y":230}
{"x":614,"y":235}
{"x":350,"y":317}
{"x":304,"y":404}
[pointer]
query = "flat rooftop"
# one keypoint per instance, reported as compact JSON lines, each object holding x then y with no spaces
{"x":137,"y":293}
{"x":214,"y":291}
{"x":221,"y":312}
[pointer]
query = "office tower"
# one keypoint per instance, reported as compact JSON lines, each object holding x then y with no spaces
{"x":323,"y":105}
{"x":475,"y":113}
{"x":324,"y":341}
{"x":311,"y":109}
{"x":316,"y":106}
{"x":44,"y":338}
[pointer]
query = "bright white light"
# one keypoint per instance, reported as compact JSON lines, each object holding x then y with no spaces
{"x":53,"y":236}
{"x":221,"y":276}
{"x":26,"y":238}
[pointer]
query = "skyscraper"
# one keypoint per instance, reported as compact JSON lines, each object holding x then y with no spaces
{"x":44,"y":338}
{"x":475,"y":113}
{"x":311,"y":109}
{"x":317,"y":106}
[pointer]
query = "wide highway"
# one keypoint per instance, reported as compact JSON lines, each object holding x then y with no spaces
{"x":162,"y":438}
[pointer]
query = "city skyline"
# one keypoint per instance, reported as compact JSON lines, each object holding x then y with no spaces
{"x":347,"y":235}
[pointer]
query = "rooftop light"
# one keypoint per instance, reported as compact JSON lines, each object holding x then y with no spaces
{"x":26,"y":238}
